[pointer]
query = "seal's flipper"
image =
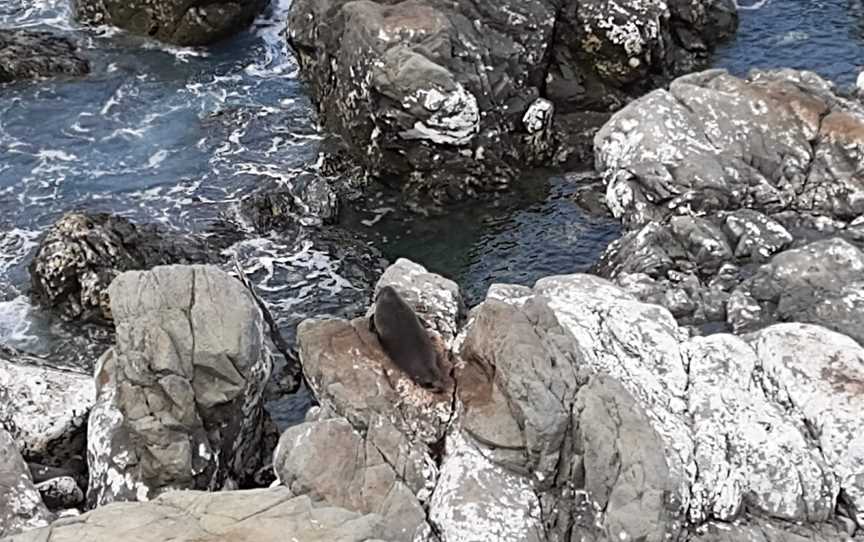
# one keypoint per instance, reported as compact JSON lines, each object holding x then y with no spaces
{"x":372,"y":324}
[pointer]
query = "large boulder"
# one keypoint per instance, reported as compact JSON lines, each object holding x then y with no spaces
{"x":581,"y":412}
{"x":356,"y":476}
{"x":263,"y":515}
{"x":179,"y":397}
{"x":45,"y":408}
{"x":33,"y":54}
{"x":181,"y":22}
{"x":719,"y":175}
{"x":82,"y":253}
{"x":446,"y":99}
{"x":21,"y":506}
{"x":775,"y":141}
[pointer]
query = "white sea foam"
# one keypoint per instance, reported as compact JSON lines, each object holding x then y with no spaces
{"x":15,"y":322}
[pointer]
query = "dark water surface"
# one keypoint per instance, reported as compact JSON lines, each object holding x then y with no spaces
{"x":825,"y":36}
{"x":179,"y":136}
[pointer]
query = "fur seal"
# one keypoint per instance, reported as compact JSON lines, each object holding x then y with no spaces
{"x":405,"y":340}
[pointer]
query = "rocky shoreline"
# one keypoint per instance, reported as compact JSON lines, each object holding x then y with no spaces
{"x":704,"y":383}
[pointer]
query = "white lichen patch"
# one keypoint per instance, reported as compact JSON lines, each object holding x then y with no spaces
{"x":477,"y":501}
{"x":454,"y":116}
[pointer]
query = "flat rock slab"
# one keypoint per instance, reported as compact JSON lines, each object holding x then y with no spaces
{"x":264,"y":515}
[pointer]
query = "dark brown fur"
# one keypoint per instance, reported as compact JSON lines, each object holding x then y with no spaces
{"x":405,"y":340}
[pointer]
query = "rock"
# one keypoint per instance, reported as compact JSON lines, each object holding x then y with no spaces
{"x":475,"y":499}
{"x":61,"y":493}
{"x":436,"y":300}
{"x":646,"y":433}
{"x":818,"y":376}
{"x":450,"y":99}
{"x":756,"y":529}
{"x":181,"y":22}
{"x":82,"y":253}
{"x":819,"y":283}
{"x":355,"y":476}
{"x":716,"y":142}
{"x":580,"y":412}
{"x":32,"y":54}
{"x":748,"y":453}
{"x":179,"y":396}
{"x":262,"y":515}
{"x":44,"y":408}
{"x":21,"y":506}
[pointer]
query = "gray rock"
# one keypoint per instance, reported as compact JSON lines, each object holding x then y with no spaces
{"x":441,"y":97}
{"x":179,"y":396}
{"x":262,"y":515}
{"x":436,"y":300}
{"x":61,"y":493}
{"x":355,"y":475}
{"x":476,"y":500}
{"x":81,"y":254}
{"x":756,"y":529}
{"x":44,"y":408}
{"x":32,"y":54}
{"x":21,"y":506}
{"x":819,"y":283}
{"x":817,"y":375}
{"x":182,"y":22}
{"x":755,"y":236}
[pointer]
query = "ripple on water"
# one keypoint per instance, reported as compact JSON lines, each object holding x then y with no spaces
{"x":826,"y":36}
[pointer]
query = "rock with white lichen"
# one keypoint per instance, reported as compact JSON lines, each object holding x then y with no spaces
{"x":81,"y":254}
{"x":45,"y":408}
{"x":21,"y":507}
{"x":179,"y":397}
{"x":182,"y":22}
{"x":742,"y":198}
{"x":448,"y":99}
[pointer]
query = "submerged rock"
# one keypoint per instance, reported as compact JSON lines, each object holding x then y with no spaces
{"x":45,"y":408}
{"x":32,"y":54}
{"x":262,"y":515}
{"x":21,"y":506}
{"x":179,"y":397}
{"x":82,"y":253}
{"x":449,"y":99}
{"x":181,"y":22}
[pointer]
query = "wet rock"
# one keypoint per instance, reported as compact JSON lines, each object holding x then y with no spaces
{"x":21,"y":506}
{"x":355,"y":476}
{"x":61,"y":493}
{"x":179,"y":397}
{"x":309,"y":201}
{"x":45,"y":408}
{"x":82,"y":253}
{"x":449,"y":99}
{"x":262,"y":515}
{"x":32,"y":54}
{"x":182,"y":22}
